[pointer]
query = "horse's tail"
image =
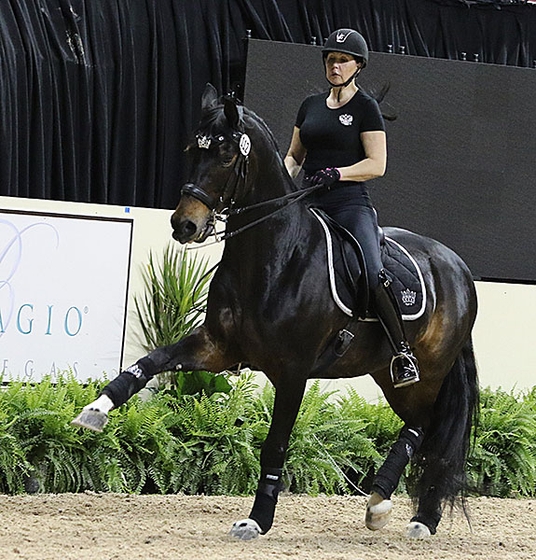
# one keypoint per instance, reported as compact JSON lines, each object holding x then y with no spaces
{"x":441,"y":461}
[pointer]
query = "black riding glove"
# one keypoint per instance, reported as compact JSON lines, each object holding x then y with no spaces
{"x":326,"y":177}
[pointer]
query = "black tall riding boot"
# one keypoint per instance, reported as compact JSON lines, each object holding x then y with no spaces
{"x":404,"y":367}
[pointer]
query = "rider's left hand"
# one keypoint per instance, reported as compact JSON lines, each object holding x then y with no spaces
{"x":326,"y":177}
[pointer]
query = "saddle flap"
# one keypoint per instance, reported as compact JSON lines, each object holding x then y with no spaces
{"x":345,"y":261}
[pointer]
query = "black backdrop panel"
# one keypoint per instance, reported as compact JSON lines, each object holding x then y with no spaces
{"x":461,"y":150}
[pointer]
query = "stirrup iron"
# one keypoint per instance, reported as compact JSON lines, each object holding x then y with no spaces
{"x":408,"y":372}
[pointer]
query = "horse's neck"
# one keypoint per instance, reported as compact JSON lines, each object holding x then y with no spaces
{"x":269,"y":242}
{"x":271,"y":179}
{"x":271,"y":239}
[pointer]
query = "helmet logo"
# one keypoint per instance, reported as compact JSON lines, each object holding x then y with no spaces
{"x":346,"y":119}
{"x":341,"y":37}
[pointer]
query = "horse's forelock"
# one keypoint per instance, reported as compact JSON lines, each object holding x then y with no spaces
{"x":209,"y":120}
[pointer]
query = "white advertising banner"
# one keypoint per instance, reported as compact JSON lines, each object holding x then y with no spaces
{"x":63,"y":294}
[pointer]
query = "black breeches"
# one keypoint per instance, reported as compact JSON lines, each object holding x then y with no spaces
{"x":362,"y":222}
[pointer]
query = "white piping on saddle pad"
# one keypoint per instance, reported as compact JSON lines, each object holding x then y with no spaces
{"x":331,"y":270}
{"x":421,"y":280}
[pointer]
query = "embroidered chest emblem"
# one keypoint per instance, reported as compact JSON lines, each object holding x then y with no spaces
{"x":346,"y":119}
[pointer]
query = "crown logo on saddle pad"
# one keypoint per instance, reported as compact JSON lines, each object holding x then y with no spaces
{"x":409,"y":297}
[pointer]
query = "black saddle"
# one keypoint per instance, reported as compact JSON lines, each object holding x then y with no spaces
{"x":348,"y":282}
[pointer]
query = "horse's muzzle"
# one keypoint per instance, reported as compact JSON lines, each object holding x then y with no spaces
{"x":188,"y":231}
{"x":184,"y":230}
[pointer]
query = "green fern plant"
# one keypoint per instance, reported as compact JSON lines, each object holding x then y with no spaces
{"x":54,"y":455}
{"x":218,"y":442}
{"x":14,"y":468}
{"x":374,"y":428}
{"x":210,"y":443}
{"x":134,"y":454}
{"x":173,"y":304}
{"x":329,"y":450}
{"x":503,"y":459}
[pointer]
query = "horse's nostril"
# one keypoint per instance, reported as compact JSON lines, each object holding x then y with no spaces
{"x":182,"y":229}
{"x":188,"y":229}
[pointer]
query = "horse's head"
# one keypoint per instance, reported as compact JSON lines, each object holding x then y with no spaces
{"x":219,"y":157}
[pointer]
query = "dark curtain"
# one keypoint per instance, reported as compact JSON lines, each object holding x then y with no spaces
{"x":98,"y":97}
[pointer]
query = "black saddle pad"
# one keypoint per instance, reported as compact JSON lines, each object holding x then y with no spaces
{"x":346,"y":278}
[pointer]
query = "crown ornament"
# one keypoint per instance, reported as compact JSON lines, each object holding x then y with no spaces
{"x":203,"y":142}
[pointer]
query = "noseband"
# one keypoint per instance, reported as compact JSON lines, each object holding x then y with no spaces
{"x":199,"y":194}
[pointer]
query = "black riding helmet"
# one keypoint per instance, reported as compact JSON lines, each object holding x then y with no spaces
{"x":347,"y":41}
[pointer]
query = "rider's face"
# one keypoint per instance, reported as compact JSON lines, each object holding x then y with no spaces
{"x":340,"y":67}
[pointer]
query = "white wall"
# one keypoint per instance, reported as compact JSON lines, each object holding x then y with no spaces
{"x":504,"y":335}
{"x":151,"y":231}
{"x":504,"y":340}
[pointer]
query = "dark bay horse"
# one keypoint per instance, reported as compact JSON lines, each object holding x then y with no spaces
{"x":270,"y":306}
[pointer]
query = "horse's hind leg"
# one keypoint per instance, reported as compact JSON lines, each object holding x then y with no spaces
{"x":379,"y":506}
{"x":194,"y":352}
{"x":288,"y":398}
{"x":443,"y":454}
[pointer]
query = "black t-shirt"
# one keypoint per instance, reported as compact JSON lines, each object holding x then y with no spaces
{"x":332,"y":136}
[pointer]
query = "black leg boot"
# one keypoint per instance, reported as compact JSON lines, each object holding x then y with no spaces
{"x":404,"y":367}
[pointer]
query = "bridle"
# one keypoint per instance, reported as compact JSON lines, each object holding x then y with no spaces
{"x":238,"y":172}
{"x":220,"y":210}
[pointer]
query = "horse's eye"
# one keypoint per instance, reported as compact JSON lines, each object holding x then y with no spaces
{"x":227,"y":154}
{"x":227,"y":160}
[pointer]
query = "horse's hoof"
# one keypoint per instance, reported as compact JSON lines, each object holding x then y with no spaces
{"x":416,"y":530}
{"x":378,"y":512}
{"x":91,"y":419}
{"x":246,"y":529}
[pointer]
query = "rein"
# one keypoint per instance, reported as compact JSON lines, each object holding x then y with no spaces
{"x":238,"y":171}
{"x":288,"y":199}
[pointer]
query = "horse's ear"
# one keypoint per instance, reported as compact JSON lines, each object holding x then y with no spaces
{"x":209,"y":97}
{"x":231,"y":112}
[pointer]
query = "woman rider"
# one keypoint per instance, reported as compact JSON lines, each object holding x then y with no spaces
{"x":339,"y":140}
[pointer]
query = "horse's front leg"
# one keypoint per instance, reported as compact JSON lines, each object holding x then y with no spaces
{"x":288,"y":397}
{"x":195,"y":352}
